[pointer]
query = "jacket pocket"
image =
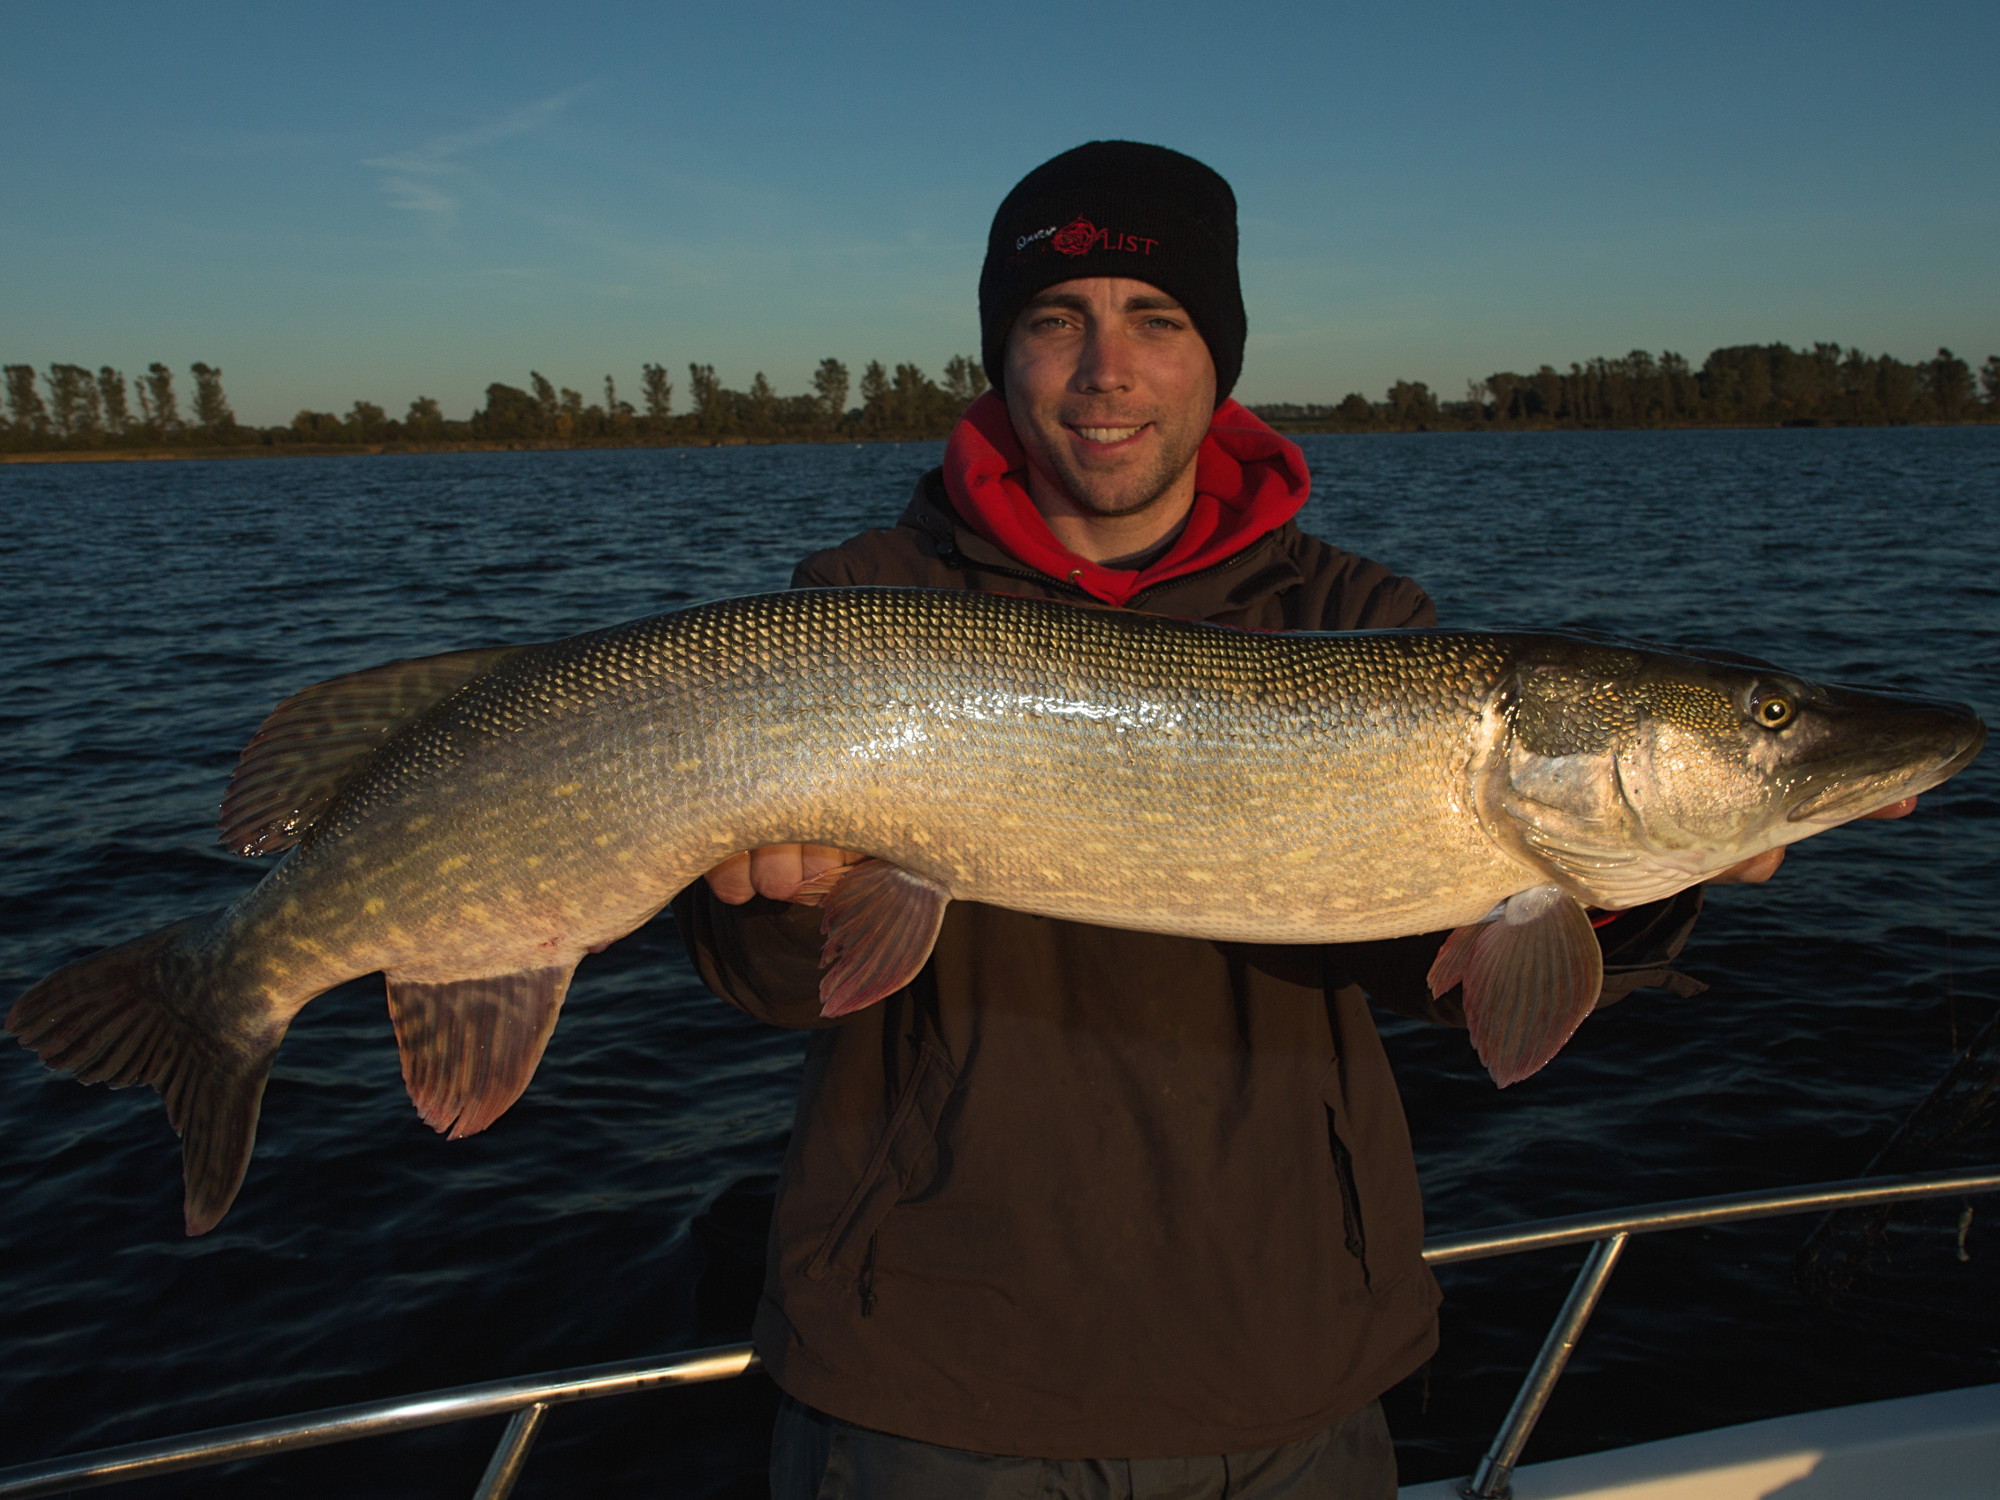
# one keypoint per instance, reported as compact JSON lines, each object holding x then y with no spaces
{"x":907,"y":1144}
{"x":1353,"y":1223}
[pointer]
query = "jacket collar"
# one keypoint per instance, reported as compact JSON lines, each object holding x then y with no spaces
{"x":1261,"y":569}
{"x":1248,"y":482}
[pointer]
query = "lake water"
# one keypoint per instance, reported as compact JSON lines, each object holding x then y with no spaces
{"x":150,"y":614}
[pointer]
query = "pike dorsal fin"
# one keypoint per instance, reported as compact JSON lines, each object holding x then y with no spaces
{"x":312,"y":742}
{"x":470,"y":1045}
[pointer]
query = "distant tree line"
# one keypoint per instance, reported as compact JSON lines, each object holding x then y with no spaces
{"x":1760,"y":385}
{"x":86,"y":410}
{"x":72,"y":407}
{"x":69,"y":407}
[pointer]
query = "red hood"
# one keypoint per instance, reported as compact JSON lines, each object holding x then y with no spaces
{"x":1248,"y":481}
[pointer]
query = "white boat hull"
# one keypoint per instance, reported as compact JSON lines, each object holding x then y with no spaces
{"x":1939,"y":1447}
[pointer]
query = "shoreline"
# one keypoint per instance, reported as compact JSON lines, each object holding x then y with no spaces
{"x":370,"y":450}
{"x":534,"y":445}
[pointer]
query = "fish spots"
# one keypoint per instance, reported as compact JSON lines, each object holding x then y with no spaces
{"x":567,"y":789}
{"x":372,"y":906}
{"x":685,"y":766}
{"x":417,"y":824}
{"x":531,"y":861}
{"x":456,"y":862}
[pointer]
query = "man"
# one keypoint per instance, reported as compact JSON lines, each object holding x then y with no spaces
{"x":1085,"y":1211}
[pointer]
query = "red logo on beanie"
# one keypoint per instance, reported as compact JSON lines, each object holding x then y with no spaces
{"x":1075,"y":237}
{"x":1079,"y":237}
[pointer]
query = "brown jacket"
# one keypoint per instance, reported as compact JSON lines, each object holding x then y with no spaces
{"x":1088,"y":1193}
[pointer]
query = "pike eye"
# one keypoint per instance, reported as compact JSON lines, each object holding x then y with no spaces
{"x":1772,"y":710}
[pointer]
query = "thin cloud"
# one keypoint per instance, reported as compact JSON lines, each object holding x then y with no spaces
{"x":419,"y":179}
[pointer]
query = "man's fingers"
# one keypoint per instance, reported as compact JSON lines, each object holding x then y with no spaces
{"x":1894,"y":810}
{"x":730,"y":880}
{"x":1753,"y":871}
{"x":775,"y":870}
{"x":817,"y":859}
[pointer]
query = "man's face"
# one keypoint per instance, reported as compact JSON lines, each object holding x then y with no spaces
{"x":1110,"y":389}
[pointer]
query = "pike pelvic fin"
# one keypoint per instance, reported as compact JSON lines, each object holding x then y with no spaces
{"x":1531,"y":974}
{"x":470,"y":1046}
{"x":880,"y":922}
{"x":119,"y":1018}
{"x":311,"y":743}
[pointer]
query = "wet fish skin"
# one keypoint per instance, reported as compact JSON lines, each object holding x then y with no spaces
{"x":472,"y":825}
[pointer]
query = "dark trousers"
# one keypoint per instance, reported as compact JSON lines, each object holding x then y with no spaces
{"x":817,"y":1457}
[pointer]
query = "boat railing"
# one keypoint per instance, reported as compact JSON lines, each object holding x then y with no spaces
{"x":525,"y":1400}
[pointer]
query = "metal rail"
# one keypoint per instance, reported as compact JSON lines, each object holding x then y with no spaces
{"x":343,"y":1424}
{"x":526,"y":1399}
{"x":1608,"y":1235}
{"x":1495,"y":1474}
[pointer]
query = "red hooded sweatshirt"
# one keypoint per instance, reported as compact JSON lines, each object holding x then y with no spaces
{"x":1248,"y":480}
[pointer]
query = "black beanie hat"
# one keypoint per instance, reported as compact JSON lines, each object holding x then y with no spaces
{"x":1117,"y":208}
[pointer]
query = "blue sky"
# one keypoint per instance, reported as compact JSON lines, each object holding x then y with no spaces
{"x":379,"y":201}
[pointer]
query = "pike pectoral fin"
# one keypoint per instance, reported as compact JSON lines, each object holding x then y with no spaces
{"x":1531,"y":973}
{"x":471,"y":1045}
{"x":880,"y":922}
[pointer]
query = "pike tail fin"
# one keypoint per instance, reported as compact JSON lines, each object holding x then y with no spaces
{"x":129,"y":1015}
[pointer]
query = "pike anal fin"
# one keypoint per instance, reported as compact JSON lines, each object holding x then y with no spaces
{"x":470,"y":1046}
{"x":1531,"y":973}
{"x":880,"y":922}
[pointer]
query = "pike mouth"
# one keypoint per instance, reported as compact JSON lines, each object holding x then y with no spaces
{"x":1841,"y":803}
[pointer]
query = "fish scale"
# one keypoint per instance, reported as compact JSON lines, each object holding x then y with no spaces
{"x":472,"y":825}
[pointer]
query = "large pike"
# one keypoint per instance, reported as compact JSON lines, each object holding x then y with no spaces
{"x":472,"y":824}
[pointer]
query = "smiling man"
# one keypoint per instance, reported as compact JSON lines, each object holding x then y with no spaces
{"x":1110,"y":389}
{"x":1087,"y":1212}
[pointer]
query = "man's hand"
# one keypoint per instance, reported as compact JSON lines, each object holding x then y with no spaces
{"x":776,"y":870}
{"x":1757,"y":870}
